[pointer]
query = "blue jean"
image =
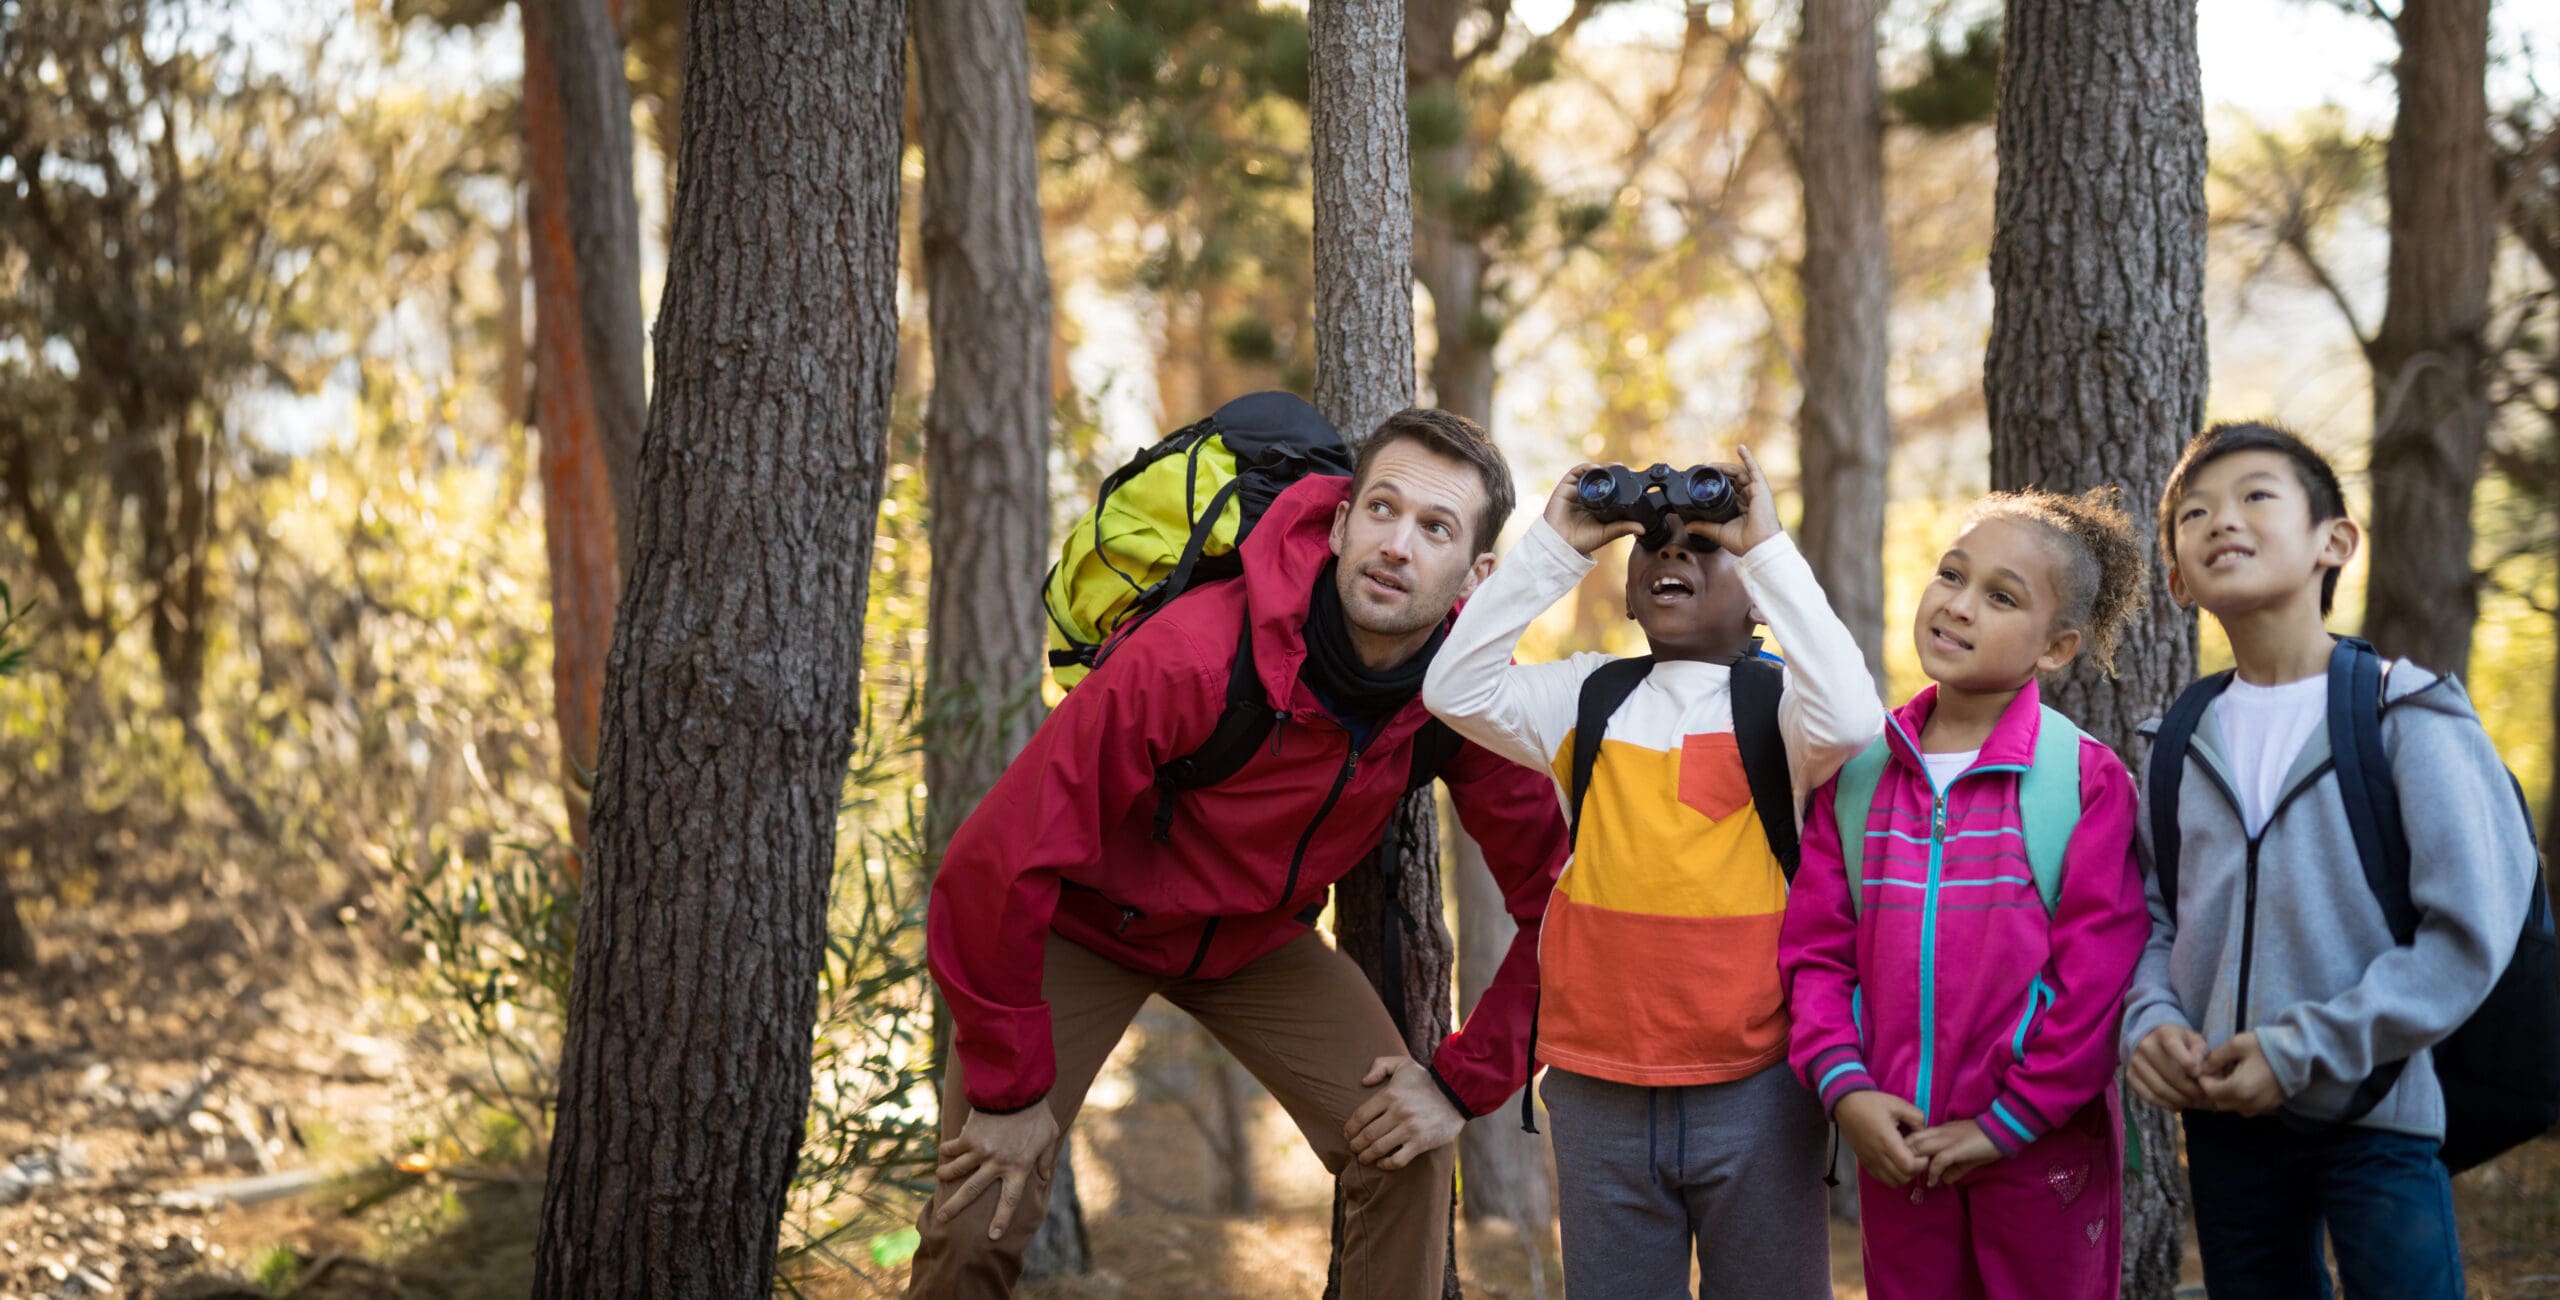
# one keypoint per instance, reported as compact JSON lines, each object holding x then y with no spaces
{"x":2265,"y":1190}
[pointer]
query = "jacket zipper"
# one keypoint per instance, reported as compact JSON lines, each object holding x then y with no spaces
{"x":1207,"y":932}
{"x":1341,"y":778}
{"x":2249,"y":895}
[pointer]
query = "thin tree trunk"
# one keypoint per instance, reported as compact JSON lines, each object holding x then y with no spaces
{"x":1364,"y":373}
{"x":577,"y":493}
{"x":1363,"y":212}
{"x":604,"y":231}
{"x":2430,"y":380}
{"x":2096,"y":368}
{"x":986,"y":442}
{"x":735,"y":686}
{"x":1847,"y":433}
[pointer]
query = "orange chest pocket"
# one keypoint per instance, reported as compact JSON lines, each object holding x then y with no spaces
{"x":1711,"y":779}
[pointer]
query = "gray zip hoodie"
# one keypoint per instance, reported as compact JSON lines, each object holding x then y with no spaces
{"x":2285,"y":937}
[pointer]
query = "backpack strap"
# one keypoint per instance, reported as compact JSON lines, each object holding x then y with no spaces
{"x":2168,"y":771}
{"x":1757,"y":684}
{"x":1247,"y":718}
{"x":1853,"y":795}
{"x":1603,"y":691}
{"x":2365,"y":786}
{"x":2049,"y":801}
{"x":2372,"y":802}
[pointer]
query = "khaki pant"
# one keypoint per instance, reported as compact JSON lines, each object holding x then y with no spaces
{"x":1307,"y":1024}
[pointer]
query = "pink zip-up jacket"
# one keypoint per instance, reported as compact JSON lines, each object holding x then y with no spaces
{"x":1951,"y":987}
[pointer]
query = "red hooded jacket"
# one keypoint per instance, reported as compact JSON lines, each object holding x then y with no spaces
{"x":1065,"y":840}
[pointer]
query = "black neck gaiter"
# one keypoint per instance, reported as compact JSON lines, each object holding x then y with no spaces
{"x":1334,"y":669}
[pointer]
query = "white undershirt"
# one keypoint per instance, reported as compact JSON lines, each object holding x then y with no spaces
{"x":1947,"y":767}
{"x":2263,"y":730}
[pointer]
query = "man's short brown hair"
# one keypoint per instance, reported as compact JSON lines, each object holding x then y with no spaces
{"x":1458,"y":438}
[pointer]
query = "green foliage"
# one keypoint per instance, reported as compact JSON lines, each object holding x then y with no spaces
{"x":13,"y":657}
{"x":275,"y":1269}
{"x":1955,"y":88}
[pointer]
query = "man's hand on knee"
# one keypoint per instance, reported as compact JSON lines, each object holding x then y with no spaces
{"x":993,"y":1149}
{"x":1403,"y":1121}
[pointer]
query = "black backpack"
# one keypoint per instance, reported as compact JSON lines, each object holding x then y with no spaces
{"x":1757,"y":684}
{"x":2500,"y":1070}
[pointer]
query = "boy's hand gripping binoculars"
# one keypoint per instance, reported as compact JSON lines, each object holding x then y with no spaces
{"x":1656,"y":497}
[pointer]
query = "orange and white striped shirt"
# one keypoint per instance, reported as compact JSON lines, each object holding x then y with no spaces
{"x":1659,"y":961}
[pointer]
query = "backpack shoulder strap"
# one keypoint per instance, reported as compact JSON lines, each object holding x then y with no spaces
{"x":2365,"y":786}
{"x":1242,"y":724}
{"x":2168,"y":770}
{"x":1757,"y":685}
{"x":2049,"y":801}
{"x":2372,"y":803}
{"x":1853,"y":795}
{"x":1433,"y":747}
{"x":1602,"y":692}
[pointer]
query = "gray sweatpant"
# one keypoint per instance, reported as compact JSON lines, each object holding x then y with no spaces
{"x":1731,"y":1170}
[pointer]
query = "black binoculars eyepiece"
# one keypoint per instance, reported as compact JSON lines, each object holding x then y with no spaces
{"x":1656,"y":496}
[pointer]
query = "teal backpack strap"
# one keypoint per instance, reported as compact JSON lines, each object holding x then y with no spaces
{"x":1851,"y":797}
{"x":2049,"y":801}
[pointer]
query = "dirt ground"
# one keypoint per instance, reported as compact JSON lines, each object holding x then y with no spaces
{"x":203,"y":1099}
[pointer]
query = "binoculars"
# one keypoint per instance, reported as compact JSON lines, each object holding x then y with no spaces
{"x":1656,"y":496}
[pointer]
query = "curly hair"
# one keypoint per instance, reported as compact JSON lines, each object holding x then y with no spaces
{"x":2104,"y":570}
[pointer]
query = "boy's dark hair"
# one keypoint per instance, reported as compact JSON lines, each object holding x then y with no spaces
{"x":1458,"y":438}
{"x":2104,"y":578}
{"x":2231,"y":438}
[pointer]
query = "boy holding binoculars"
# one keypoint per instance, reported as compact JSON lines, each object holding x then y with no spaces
{"x":1679,"y":1129}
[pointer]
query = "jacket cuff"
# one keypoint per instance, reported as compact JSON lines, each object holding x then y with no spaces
{"x":2287,"y":1056}
{"x":2012,"y":1124}
{"x":1837,"y":1073}
{"x":2140,"y":1021}
{"x":1008,"y":1110}
{"x":1452,"y":1094}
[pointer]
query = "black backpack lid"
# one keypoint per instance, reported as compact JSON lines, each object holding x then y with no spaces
{"x":1257,"y":424}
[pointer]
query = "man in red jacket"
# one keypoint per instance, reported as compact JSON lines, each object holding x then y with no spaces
{"x":1066,"y":901}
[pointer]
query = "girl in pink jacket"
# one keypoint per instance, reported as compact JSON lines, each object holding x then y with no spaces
{"x":1955,"y":981}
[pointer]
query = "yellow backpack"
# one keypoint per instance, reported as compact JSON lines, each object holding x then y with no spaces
{"x":1173,"y":516}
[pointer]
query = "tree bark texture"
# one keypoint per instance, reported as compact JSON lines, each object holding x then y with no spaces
{"x":987,"y":427}
{"x":604,"y":230}
{"x":2430,"y":376}
{"x":1363,"y":236}
{"x":2096,"y":368}
{"x":986,"y":442}
{"x":578,"y":514}
{"x":734,"y":689}
{"x":1846,"y":431}
{"x":1363,"y":212}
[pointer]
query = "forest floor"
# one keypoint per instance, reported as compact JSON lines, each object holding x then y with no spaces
{"x":204,"y":1091}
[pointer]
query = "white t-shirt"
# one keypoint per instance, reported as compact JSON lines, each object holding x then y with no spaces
{"x":1947,"y":767}
{"x":2263,"y":730}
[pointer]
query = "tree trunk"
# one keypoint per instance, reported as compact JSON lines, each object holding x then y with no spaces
{"x":1364,"y":372}
{"x":585,"y":39}
{"x":577,"y":493}
{"x":2096,"y":368}
{"x":735,"y":686}
{"x":1847,"y":434}
{"x":2430,"y":380}
{"x":986,"y":440}
{"x":1363,"y":212}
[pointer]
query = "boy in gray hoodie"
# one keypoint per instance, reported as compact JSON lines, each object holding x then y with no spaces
{"x":2273,"y":987}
